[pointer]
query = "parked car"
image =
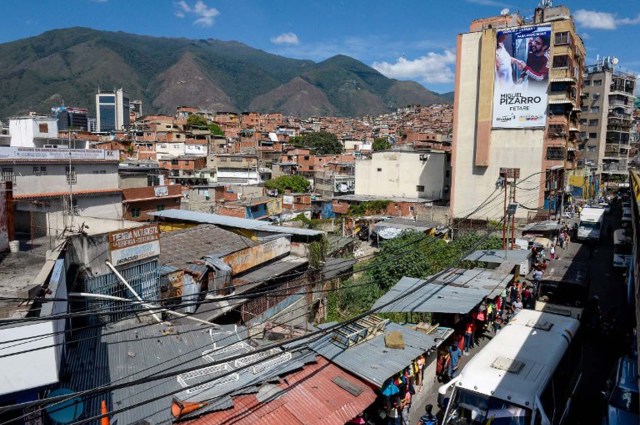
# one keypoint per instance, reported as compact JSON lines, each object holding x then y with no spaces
{"x":622,"y":393}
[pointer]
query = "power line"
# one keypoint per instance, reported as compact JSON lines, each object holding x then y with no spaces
{"x":373,"y":310}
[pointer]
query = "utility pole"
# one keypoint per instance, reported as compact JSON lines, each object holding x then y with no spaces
{"x":70,"y":181}
{"x":504,"y":213}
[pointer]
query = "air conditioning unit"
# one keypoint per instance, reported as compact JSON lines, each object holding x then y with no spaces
{"x":424,"y":157}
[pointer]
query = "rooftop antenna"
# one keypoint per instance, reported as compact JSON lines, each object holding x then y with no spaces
{"x":545,"y":3}
{"x":504,"y":12}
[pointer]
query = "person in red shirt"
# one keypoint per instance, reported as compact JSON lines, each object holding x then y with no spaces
{"x":537,"y":66}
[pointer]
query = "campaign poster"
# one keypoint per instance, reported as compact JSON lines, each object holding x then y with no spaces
{"x":521,"y":77}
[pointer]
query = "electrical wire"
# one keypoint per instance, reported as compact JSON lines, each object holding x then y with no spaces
{"x":308,"y":338}
{"x":481,"y":240}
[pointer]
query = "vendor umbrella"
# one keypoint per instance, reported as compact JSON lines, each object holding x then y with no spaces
{"x":389,"y":388}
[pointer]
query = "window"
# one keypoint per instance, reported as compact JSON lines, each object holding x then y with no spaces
{"x":135,"y":212}
{"x":591,"y":148}
{"x":555,"y":153}
{"x":306,"y":158}
{"x":584,"y":108}
{"x":420,"y":188}
{"x":595,"y":109}
{"x":583,"y":121}
{"x":72,"y":178}
{"x":7,"y":175}
{"x":593,"y":135}
{"x":99,"y":171}
{"x":39,"y":171}
{"x":595,"y":96}
{"x":43,"y":128}
{"x":593,"y":123}
{"x":311,"y":168}
{"x":379,"y":169}
{"x":587,"y":83}
{"x":160,"y":207}
{"x":561,"y":61}
{"x":597,"y":82}
{"x":556,"y":130}
{"x":174,"y":162}
{"x":561,"y":38}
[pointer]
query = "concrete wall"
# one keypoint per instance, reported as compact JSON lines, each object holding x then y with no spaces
{"x":131,"y":181}
{"x":396,"y":173}
{"x":523,"y":149}
{"x":97,"y":176}
{"x":24,"y":130}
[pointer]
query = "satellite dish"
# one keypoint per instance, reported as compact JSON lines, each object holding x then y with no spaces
{"x":614,"y":60}
{"x":504,"y":12}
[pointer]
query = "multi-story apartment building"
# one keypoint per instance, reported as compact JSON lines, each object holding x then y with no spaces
{"x":238,"y":169}
{"x":606,"y":122}
{"x":71,"y":118}
{"x":55,"y":188}
{"x":112,"y":110}
{"x":35,"y":132}
{"x":517,"y":99}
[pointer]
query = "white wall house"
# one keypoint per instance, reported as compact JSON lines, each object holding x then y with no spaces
{"x":34,"y":132}
{"x":168,"y":150}
{"x":408,"y":174}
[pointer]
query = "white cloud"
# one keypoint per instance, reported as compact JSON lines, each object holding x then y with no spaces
{"x":602,"y":20}
{"x":203,"y":14}
{"x":286,"y":38}
{"x":432,"y":68}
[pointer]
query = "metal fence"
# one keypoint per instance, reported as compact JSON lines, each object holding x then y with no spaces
{"x":143,"y":277}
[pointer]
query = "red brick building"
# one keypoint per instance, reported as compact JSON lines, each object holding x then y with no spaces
{"x":140,"y":201}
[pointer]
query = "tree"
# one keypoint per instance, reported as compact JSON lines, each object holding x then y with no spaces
{"x":197,"y":121}
{"x":323,"y":143}
{"x":295,"y":184}
{"x":380,"y":144}
{"x":215,"y":129}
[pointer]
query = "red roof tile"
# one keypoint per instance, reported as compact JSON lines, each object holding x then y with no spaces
{"x":309,"y":397}
{"x":58,"y":194}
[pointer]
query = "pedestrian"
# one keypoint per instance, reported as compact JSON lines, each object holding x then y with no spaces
{"x":527,"y":296}
{"x":394,"y":414}
{"x":454,"y":360}
{"x":442,"y":366}
{"x":567,"y":239}
{"x":468,"y":336}
{"x":497,"y":323}
{"x":561,"y":240}
{"x":405,"y":405}
{"x":517,"y":306}
{"x":552,"y":252}
{"x":428,"y":418}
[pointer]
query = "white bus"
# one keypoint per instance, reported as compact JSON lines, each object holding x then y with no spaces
{"x":622,"y":249}
{"x":526,"y":375}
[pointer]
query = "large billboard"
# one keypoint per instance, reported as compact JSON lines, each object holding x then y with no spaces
{"x":521,"y":77}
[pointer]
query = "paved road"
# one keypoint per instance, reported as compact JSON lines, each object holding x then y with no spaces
{"x":601,"y":353}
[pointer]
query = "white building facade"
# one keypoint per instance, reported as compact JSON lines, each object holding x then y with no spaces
{"x":407,"y":174}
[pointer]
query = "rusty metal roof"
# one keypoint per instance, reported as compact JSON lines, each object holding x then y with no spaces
{"x":307,"y":397}
{"x":181,"y":247}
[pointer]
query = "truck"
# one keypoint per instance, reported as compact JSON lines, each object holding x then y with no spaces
{"x":590,"y":226}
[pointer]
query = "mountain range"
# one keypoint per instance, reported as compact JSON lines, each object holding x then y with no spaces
{"x":68,"y":66}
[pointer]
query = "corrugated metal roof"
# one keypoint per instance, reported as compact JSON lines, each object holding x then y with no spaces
{"x":458,"y":291}
{"x":499,"y":256}
{"x":372,"y":360}
{"x":123,"y":354}
{"x":180,"y":247}
{"x":240,"y":223}
{"x":265,"y":273}
{"x":308,"y":397}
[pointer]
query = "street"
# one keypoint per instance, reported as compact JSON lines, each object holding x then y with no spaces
{"x":599,"y":352}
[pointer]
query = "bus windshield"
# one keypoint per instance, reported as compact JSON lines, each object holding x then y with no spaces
{"x":469,"y":408}
{"x":590,"y":224}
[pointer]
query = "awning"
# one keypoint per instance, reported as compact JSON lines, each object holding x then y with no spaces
{"x":563,"y":80}
{"x":456,"y":292}
{"x":321,"y":393}
{"x":560,"y":101}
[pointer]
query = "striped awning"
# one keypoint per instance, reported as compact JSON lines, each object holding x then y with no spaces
{"x":560,"y":101}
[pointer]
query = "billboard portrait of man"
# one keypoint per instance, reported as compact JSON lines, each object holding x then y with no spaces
{"x":521,"y":77}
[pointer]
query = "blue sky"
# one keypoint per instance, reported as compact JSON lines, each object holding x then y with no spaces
{"x":403,"y":39}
